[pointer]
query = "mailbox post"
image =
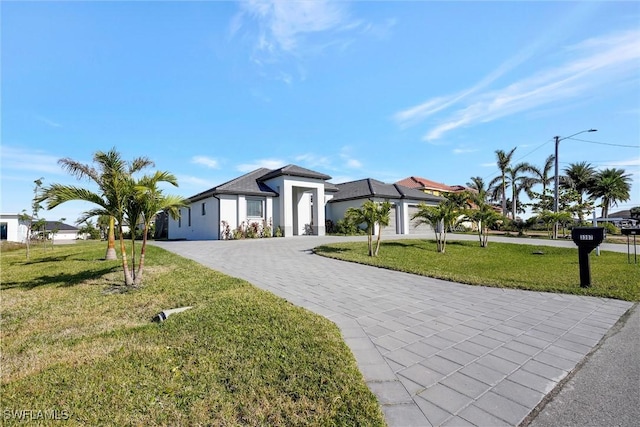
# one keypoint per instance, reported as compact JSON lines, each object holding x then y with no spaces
{"x":587,"y":239}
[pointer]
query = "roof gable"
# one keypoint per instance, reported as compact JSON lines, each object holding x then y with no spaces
{"x":293,"y":170}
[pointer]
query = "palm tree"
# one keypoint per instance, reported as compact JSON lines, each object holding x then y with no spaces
{"x":484,"y":217}
{"x":503,"y":161}
{"x":111,"y":175}
{"x":370,"y":214}
{"x":613,"y":186}
{"x":579,"y":177}
{"x":477,"y":185}
{"x":543,"y":175}
{"x":518,"y":182}
{"x":147,"y":201}
{"x":441,"y":217}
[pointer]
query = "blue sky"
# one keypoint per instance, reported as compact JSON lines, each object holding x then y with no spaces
{"x":210,"y":90}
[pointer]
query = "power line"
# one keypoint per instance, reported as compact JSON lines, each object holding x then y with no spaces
{"x":605,"y":143}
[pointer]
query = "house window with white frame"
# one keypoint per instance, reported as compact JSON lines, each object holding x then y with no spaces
{"x":204,"y":209}
{"x":189,"y":217}
{"x":255,"y":208}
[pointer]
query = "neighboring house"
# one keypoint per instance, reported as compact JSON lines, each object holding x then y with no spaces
{"x":12,"y":228}
{"x":59,"y":231}
{"x":404,"y":202}
{"x":294,"y":199}
{"x":430,"y":187}
{"x":620,"y":219}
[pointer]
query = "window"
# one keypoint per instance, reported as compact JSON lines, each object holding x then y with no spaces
{"x":204,"y":210}
{"x":189,"y":217}
{"x":179,"y":218}
{"x":255,"y":208}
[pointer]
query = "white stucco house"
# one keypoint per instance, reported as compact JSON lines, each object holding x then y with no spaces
{"x":12,"y":229}
{"x":61,"y":232}
{"x":296,"y":200}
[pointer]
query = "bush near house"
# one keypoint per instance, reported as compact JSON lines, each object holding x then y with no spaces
{"x":73,"y":343}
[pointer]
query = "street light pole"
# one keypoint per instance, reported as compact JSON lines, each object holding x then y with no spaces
{"x":556,"y":179}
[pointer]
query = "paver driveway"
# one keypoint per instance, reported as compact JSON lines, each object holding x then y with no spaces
{"x":434,"y":352}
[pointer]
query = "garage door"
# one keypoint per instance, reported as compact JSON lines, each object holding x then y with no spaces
{"x":414,"y":224}
{"x":391,"y":228}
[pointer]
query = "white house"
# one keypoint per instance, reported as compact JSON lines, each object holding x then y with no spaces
{"x":12,"y":228}
{"x":61,"y":232}
{"x":294,"y":199}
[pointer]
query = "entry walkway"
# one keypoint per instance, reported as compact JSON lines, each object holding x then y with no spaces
{"x":433,"y":352}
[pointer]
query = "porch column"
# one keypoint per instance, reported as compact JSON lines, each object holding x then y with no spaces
{"x":318,"y":211}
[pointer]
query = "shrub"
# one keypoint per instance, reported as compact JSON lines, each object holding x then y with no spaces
{"x":610,"y":228}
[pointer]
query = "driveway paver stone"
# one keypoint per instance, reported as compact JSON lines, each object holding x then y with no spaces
{"x":433,"y":352}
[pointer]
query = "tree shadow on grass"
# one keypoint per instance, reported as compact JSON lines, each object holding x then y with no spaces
{"x":62,"y":279}
{"x":328,"y":250}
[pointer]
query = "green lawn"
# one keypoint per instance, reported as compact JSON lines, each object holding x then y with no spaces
{"x":501,"y":265}
{"x":72,"y":343}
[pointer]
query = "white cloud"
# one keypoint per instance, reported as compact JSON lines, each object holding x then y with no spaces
{"x":49,"y":122}
{"x":621,"y":163}
{"x":592,"y":64}
{"x":464,"y":150}
{"x":283,"y":23}
{"x":353,"y":163}
{"x":349,"y":160}
{"x":20,"y":159}
{"x":312,"y":160}
{"x":206,"y":161}
{"x":261,"y":163}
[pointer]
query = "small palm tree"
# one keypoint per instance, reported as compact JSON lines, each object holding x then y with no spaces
{"x":441,"y":217}
{"x":484,"y":216}
{"x":613,"y":186}
{"x":370,"y":214}
{"x":111,"y":175}
{"x":146,"y":201}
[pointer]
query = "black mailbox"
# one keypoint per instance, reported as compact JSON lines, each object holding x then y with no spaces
{"x":587,"y":239}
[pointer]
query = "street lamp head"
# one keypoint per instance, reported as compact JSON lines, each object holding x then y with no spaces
{"x":592,"y":130}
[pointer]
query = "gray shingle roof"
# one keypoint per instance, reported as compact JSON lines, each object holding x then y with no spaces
{"x":248,"y":184}
{"x":293,"y":170}
{"x":60,"y":226}
{"x":369,"y":187}
{"x":252,"y":183}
